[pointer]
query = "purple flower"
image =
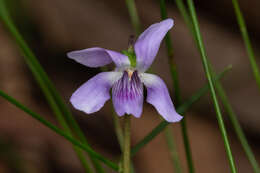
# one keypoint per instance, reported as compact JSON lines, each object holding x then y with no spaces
{"x":128,"y":79}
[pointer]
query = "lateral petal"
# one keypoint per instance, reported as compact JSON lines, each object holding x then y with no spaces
{"x":158,"y":96}
{"x":92,"y":95}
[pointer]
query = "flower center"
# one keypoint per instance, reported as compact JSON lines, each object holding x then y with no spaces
{"x":128,"y":87}
{"x":130,"y":73}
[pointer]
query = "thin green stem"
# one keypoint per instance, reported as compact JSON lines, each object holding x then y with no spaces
{"x":244,"y":33}
{"x":212,"y":88}
{"x":52,"y":96}
{"x":67,"y":136}
{"x":185,"y":15}
{"x":72,"y":122}
{"x":133,"y":15}
{"x":127,"y":144}
{"x":119,"y":131}
{"x":181,"y":110}
{"x":221,"y":92}
{"x":82,"y":159}
{"x":187,"y":145}
{"x":173,"y":149}
{"x":178,"y":99}
{"x":238,"y":129}
{"x":120,"y":136}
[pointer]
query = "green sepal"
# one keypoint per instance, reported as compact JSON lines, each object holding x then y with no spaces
{"x":131,"y":56}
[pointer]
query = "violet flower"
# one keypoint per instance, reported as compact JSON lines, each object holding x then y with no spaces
{"x":128,"y":79}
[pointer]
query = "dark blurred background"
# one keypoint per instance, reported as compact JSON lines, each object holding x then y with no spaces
{"x":54,"y":27}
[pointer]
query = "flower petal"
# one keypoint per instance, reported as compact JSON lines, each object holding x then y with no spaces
{"x":98,"y":57}
{"x":92,"y":57}
{"x":121,"y":60}
{"x":148,"y":43}
{"x":127,"y":95}
{"x":158,"y":96}
{"x":93,"y":94}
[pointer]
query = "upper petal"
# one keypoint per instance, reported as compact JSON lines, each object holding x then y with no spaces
{"x":148,"y":43}
{"x":127,"y":95}
{"x":92,"y":95}
{"x":121,"y":60}
{"x":97,"y":57}
{"x":158,"y":96}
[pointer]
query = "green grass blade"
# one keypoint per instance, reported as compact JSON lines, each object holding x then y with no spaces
{"x":72,"y":122}
{"x":46,"y":85}
{"x":169,"y":136}
{"x":134,"y":15}
{"x":118,"y":130}
{"x":221,"y":92}
{"x":187,"y":145}
{"x":244,"y":33}
{"x":238,"y":129}
{"x":67,"y":136}
{"x":211,"y":84}
{"x":177,"y":101}
{"x":181,"y":110}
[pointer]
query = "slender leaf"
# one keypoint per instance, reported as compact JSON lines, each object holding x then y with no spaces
{"x":211,"y":84}
{"x":181,"y":110}
{"x":178,"y":100}
{"x":221,"y":92}
{"x":52,"y":96}
{"x":133,"y":15}
{"x":238,"y":129}
{"x":67,"y":136}
{"x":244,"y":33}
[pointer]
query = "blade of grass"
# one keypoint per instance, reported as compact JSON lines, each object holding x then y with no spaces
{"x":238,"y":129}
{"x":118,"y":130}
{"x":134,"y":15}
{"x":221,"y":92}
{"x":178,"y":100}
{"x":169,"y":136}
{"x":244,"y":33}
{"x":181,"y":110}
{"x":46,"y":85}
{"x":60,"y":132}
{"x":211,"y":84}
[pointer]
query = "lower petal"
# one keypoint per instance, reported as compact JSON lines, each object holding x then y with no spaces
{"x":127,"y":95}
{"x":158,"y":96}
{"x":93,"y":94}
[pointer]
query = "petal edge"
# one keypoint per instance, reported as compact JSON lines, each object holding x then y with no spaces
{"x":148,"y":43}
{"x":91,"y":57}
{"x":158,"y":96}
{"x":92,"y":95}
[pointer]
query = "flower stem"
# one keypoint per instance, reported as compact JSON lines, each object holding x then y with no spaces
{"x":127,"y":143}
{"x":118,"y":130}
